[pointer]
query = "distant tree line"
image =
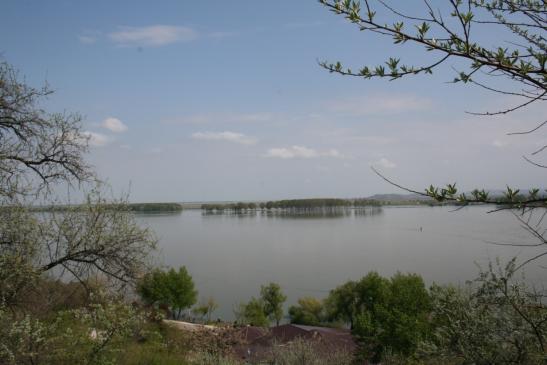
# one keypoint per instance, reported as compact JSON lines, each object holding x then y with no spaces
{"x":240,"y":206}
{"x":132,"y":207}
{"x":300,"y":204}
{"x":155,"y":207}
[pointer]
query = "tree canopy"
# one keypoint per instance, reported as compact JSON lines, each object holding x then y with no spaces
{"x":273,"y":299}
{"x":383,"y":313}
{"x":172,"y":288}
{"x":309,"y":311}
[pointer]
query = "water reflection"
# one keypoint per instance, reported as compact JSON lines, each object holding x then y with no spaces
{"x":297,"y":213}
{"x":367,"y":211}
{"x":231,"y":255}
{"x":308,"y":213}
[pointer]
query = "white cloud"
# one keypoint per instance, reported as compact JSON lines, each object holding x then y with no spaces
{"x":380,"y":104}
{"x":114,"y":124}
{"x":301,"y":152}
{"x":96,"y":139}
{"x":225,"y":136}
{"x":155,"y":35}
{"x":87,"y":39}
{"x":89,"y":36}
{"x":385,"y":163}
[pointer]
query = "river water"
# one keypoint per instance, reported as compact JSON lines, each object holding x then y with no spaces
{"x":231,"y":255}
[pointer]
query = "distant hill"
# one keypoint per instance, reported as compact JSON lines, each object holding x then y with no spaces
{"x":391,"y":198}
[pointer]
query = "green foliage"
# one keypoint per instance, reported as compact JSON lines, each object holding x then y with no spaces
{"x":17,"y":262}
{"x":273,"y":299}
{"x":92,"y":335}
{"x":496,"y":320}
{"x":172,"y":288}
{"x":383,"y":314}
{"x":342,"y":303}
{"x":309,"y":311}
{"x":510,"y":198}
{"x":409,"y":306}
{"x":433,"y":32}
{"x":132,"y":207}
{"x":291,"y":204}
{"x":252,"y":313}
{"x":260,"y":311}
{"x":157,"y":344}
{"x":155,"y":207}
{"x":153,"y":287}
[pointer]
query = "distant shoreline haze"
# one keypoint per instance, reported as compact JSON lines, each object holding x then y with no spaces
{"x":307,"y":203}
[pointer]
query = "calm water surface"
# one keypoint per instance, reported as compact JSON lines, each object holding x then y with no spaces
{"x":230,"y":256}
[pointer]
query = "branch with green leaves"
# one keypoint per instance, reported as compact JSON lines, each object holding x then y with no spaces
{"x":524,"y":64}
{"x":512,"y":198}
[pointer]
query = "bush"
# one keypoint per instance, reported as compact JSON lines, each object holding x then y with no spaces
{"x":307,"y":352}
{"x":174,"y":289}
{"x":496,"y":321}
{"x":92,"y":335}
{"x":384,"y":314}
{"x":309,"y":311}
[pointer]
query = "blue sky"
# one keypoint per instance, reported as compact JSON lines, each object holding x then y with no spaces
{"x":216,"y":100}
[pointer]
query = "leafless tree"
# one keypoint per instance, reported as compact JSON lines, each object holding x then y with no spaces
{"x":39,"y":150}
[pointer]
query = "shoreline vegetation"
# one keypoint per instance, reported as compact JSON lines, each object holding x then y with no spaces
{"x":310,"y":205}
{"x":132,"y":207}
{"x":287,"y":205}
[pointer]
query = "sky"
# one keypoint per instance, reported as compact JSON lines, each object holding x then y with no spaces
{"x":225,"y":100}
